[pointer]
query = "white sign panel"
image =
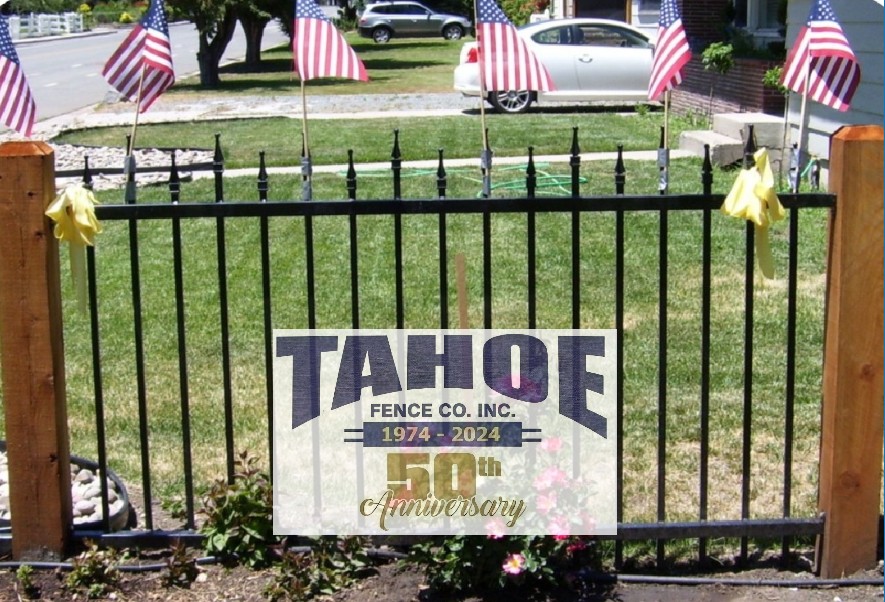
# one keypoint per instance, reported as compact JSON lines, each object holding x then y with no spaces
{"x":468,"y":432}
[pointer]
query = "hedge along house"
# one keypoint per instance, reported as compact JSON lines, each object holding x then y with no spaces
{"x":862,"y":22}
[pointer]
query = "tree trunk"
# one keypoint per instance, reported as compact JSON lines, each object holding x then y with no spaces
{"x":254,"y":29}
{"x":211,"y":50}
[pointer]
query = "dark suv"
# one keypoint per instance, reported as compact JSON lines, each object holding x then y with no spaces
{"x":383,"y":20}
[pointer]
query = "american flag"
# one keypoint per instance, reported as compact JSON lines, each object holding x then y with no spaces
{"x":146,"y":47}
{"x":822,"y":52}
{"x":320,"y":49}
{"x":671,"y":52}
{"x":506,"y":63}
{"x":17,"y":109}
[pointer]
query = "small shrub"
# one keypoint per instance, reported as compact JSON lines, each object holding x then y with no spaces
{"x":718,"y":57}
{"x":24,"y":575}
{"x":94,"y":572}
{"x":181,"y":568}
{"x":487,"y":564}
{"x":239,"y":516}
{"x":772,"y":79}
{"x":331,"y":565}
{"x":125,"y":18}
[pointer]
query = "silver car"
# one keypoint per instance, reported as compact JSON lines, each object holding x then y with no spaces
{"x":588,"y":59}
{"x":384,"y":20}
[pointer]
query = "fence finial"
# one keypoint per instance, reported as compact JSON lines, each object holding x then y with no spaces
{"x":218,"y":170}
{"x":575,"y":164}
{"x":262,"y":178}
{"x":441,"y":177}
{"x":620,"y":171}
{"x":707,"y":171}
{"x":174,"y":181}
{"x":396,"y":165}
{"x":351,"y":176}
{"x":531,"y":179}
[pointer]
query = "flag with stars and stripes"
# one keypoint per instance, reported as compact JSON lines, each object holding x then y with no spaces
{"x":319,"y":48}
{"x":671,"y":52}
{"x":147,"y":48}
{"x":505,"y":60}
{"x":17,"y":109}
{"x":822,"y":53}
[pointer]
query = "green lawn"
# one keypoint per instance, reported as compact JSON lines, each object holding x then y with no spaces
{"x":400,"y":66}
{"x":372,"y":139}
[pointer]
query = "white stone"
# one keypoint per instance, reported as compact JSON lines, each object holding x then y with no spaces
{"x":85,"y":506}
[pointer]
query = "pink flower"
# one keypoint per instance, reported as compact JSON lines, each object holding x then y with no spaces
{"x":495,"y":529}
{"x":560,"y":537}
{"x":551,"y":444}
{"x":514,"y":564}
{"x":576,"y":546}
{"x":549,"y":478}
{"x":546,"y":503}
{"x":559,"y":527}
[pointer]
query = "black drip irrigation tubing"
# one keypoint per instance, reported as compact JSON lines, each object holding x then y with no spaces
{"x":604,"y":578}
{"x":591,"y":576}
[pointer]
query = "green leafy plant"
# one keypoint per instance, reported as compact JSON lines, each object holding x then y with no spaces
{"x":518,"y":11}
{"x":94,"y":572}
{"x":24,"y":575}
{"x":485,"y":564}
{"x":239,"y":523}
{"x":331,"y":565}
{"x":772,"y":79}
{"x":181,"y":568}
{"x":718,"y":57}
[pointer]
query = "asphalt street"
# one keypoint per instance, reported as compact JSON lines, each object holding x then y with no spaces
{"x":64,"y":72}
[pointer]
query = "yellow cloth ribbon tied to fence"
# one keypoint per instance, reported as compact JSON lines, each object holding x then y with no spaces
{"x":752,"y":197}
{"x":73,"y":212}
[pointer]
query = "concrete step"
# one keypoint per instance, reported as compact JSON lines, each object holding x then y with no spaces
{"x":723,"y":150}
{"x":768,"y":129}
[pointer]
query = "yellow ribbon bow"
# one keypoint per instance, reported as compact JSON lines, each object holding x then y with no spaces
{"x":752,"y":197}
{"x":73,"y":212}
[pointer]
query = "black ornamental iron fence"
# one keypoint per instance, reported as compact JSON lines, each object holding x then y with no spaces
{"x":220,"y":214}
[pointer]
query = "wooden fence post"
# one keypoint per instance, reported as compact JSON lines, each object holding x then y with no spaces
{"x":851,"y":438}
{"x":33,"y":355}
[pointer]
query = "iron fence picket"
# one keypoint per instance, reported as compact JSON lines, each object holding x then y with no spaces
{"x":706,"y":308}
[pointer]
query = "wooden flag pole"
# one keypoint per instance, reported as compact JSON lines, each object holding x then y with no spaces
{"x":485,"y":158}
{"x":664,"y":149}
{"x":304,"y":118}
{"x":306,"y":168}
{"x":794,"y":185}
{"x":137,"y":111}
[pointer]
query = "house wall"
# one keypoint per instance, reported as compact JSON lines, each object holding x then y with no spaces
{"x":704,"y":22}
{"x":739,"y":91}
{"x":861,"y":21}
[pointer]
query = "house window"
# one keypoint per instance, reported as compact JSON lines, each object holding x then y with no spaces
{"x":756,"y":14}
{"x":650,"y":6}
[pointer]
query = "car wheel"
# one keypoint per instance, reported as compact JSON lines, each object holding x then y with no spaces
{"x":512,"y":101}
{"x":453,"y":32}
{"x":381,"y":35}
